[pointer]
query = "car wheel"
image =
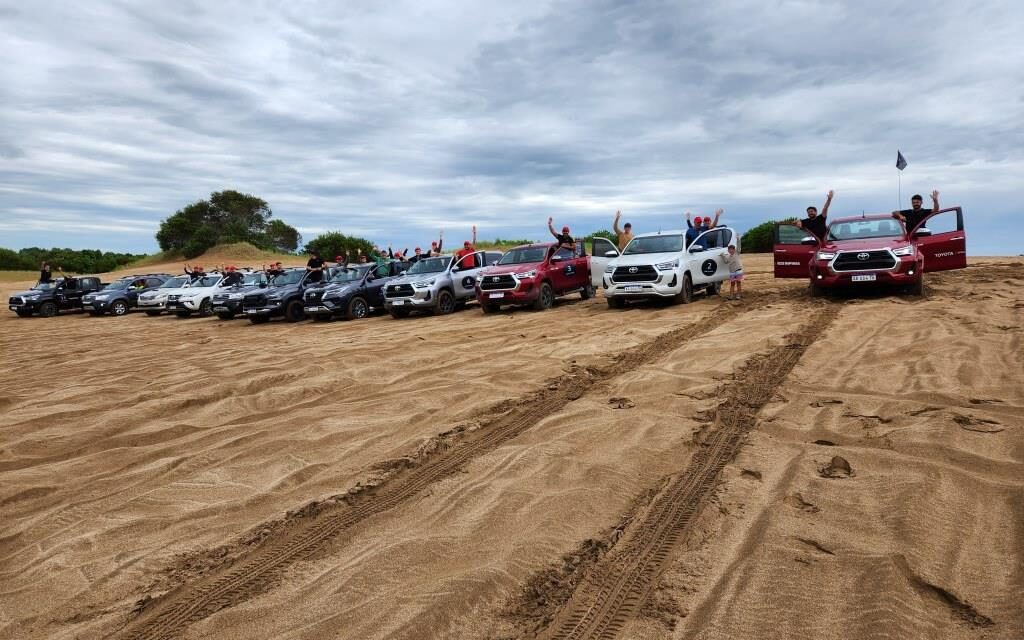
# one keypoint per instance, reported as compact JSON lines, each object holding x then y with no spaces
{"x":119,"y":307}
{"x":183,"y":314}
{"x":588,"y":291}
{"x":398,"y":314}
{"x":615,"y":303}
{"x":226,"y":315}
{"x":713,"y":289}
{"x":152,"y":314}
{"x":47,"y":309}
{"x":23,"y":313}
{"x":917,"y":289}
{"x":490,"y":308}
{"x":357,"y":309}
{"x":259,"y":319}
{"x":445,"y":303}
{"x":685,"y":295}
{"x":816,"y":290}
{"x":294,"y":311}
{"x":545,"y":299}
{"x":206,"y":308}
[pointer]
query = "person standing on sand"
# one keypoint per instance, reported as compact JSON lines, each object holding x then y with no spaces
{"x":623,"y":236}
{"x":815,"y":223}
{"x":912,"y":217}
{"x":45,"y":274}
{"x":732,"y":261}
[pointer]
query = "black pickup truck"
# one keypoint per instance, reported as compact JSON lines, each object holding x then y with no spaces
{"x":227,"y":303}
{"x":121,"y":295}
{"x":281,"y":297}
{"x":352,"y":292}
{"x":50,"y":298}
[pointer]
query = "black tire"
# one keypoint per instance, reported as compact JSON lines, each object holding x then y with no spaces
{"x":206,"y":308}
{"x":294,"y":311}
{"x":816,"y":290}
{"x":23,"y":313}
{"x":226,"y":315}
{"x":152,"y":314}
{"x":490,"y":308}
{"x":588,"y":292}
{"x":615,"y":302}
{"x":259,"y":319}
{"x":713,"y":289}
{"x":917,"y":289}
{"x":47,"y":309}
{"x":357,"y":308}
{"x":398,"y":314}
{"x":119,"y":308}
{"x":183,"y":314}
{"x":95,"y":314}
{"x":545,"y":299}
{"x":685,"y":295}
{"x":445,"y":303}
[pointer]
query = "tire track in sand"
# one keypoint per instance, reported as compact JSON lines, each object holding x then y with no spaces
{"x":617,"y":587}
{"x":256,"y":571}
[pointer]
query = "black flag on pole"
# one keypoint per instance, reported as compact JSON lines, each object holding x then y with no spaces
{"x":901,"y":162}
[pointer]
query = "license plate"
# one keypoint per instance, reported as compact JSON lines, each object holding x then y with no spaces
{"x":870,"y":277}
{"x":497,"y":295}
{"x":253,"y":311}
{"x":634,"y":287}
{"x":312,"y":309}
{"x":398,"y":302}
{"x":235,"y":296}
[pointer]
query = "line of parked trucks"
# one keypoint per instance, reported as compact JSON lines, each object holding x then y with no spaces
{"x":855,"y":251}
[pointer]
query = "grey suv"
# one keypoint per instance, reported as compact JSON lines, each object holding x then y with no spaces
{"x":437,"y":285}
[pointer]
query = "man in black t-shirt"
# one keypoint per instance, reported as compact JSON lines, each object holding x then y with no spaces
{"x":231,"y":277}
{"x":45,"y":274}
{"x":315,"y":267}
{"x":814,"y":222}
{"x":564,"y":239}
{"x":913,"y":216}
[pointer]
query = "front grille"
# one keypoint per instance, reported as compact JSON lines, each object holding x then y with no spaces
{"x":491,"y":283}
{"x":314,"y":297}
{"x":173,"y":298}
{"x":863,"y":261}
{"x":398,"y":291}
{"x":256,"y":300}
{"x":642,"y":273}
{"x":16,"y":300}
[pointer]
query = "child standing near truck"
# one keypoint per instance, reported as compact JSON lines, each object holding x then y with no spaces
{"x":732,"y":260}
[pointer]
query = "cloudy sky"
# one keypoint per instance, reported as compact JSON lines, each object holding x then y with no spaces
{"x":391,"y":120}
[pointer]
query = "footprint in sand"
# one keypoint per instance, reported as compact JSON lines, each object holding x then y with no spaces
{"x":797,"y":502}
{"x":837,"y":468}
{"x":823,"y":403}
{"x":979,"y":425}
{"x":621,"y":403}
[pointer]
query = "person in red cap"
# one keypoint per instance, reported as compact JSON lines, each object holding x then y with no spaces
{"x":700,"y":225}
{"x":564,"y":239}
{"x":417,"y":255}
{"x":232,"y":277}
{"x":466,"y":253}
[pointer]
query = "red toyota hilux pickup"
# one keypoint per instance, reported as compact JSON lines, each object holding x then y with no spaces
{"x":534,"y":274}
{"x":872,"y":249}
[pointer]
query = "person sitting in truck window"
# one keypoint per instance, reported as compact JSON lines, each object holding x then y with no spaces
{"x":815,"y":223}
{"x":913,"y":216}
{"x":435,"y":246}
{"x":466,"y":253}
{"x":45,"y":274}
{"x":315,"y":267}
{"x":564,"y":239}
{"x":232,"y":278}
{"x":195,"y":272}
{"x":624,"y":235}
{"x":274,"y":269}
{"x":693,"y":230}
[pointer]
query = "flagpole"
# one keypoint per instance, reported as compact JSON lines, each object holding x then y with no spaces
{"x":899,"y":189}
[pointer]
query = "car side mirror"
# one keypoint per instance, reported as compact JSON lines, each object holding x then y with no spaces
{"x":494,"y":263}
{"x":809,"y":240}
{"x":696,"y":249}
{"x":922,"y":233}
{"x":611,"y":254}
{"x":557,"y":258}
{"x":402,"y":272}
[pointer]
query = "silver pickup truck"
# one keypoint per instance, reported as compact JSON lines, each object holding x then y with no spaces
{"x":437,"y":285}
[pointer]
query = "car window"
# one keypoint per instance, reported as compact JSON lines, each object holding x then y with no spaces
{"x":600,"y":246}
{"x":944,"y":222}
{"x":788,"y":234}
{"x":563,"y":253}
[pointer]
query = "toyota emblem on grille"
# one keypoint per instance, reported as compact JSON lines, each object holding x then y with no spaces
{"x":495,"y":279}
{"x":633,"y":269}
{"x":863,"y":256}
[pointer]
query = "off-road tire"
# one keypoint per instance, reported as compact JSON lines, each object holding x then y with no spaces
{"x":713,"y":289}
{"x":816,"y":290}
{"x":206,"y":308}
{"x":685,"y":295}
{"x":47,"y":309}
{"x":293,"y":311}
{"x":226,"y":315}
{"x":615,"y":302}
{"x":357,"y":308}
{"x":23,"y":313}
{"x":588,"y":292}
{"x":119,"y":308}
{"x":183,"y":314}
{"x":490,"y":308}
{"x":545,"y":299}
{"x":445,"y":303}
{"x":259,"y":319}
{"x":398,"y":314}
{"x":917,"y":289}
{"x":153,"y":314}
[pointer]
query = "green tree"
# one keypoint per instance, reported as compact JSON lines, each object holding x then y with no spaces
{"x":283,"y":237}
{"x":228,"y":216}
{"x":334,"y":243}
{"x":759,"y":239}
{"x":603,"y":233}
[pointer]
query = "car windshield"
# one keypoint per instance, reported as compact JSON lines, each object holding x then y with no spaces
{"x":654,"y":244}
{"x":524,"y":255}
{"x":174,"y":283}
{"x":45,"y":286}
{"x":206,"y":281}
{"x":347,"y":275}
{"x":286,"y":278}
{"x":865,"y":229}
{"x":120,"y":285}
{"x":252,"y":279}
{"x":431,"y":265}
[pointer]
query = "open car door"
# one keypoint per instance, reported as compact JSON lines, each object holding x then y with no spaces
{"x":599,"y":259}
{"x":793,"y":250}
{"x":942,"y":241}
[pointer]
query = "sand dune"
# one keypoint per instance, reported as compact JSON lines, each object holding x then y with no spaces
{"x":428,"y":477}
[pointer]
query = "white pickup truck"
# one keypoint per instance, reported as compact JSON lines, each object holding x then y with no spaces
{"x":661,"y":265}
{"x":197,"y":298}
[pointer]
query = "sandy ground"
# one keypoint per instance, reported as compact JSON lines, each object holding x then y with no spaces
{"x":661,"y":472}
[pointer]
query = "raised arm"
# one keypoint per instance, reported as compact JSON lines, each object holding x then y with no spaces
{"x":689,"y":225}
{"x":714,"y":223}
{"x":474,"y":236}
{"x":935,"y":201}
{"x":615,"y":224}
{"x":828,"y":201}
{"x":551,"y":227}
{"x":440,"y":240}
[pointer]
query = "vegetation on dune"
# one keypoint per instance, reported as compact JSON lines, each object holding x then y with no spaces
{"x":227,"y":217}
{"x":335,"y":243}
{"x":70,"y":260}
{"x":759,"y":239}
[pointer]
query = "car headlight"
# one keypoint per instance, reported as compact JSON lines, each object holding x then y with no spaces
{"x":826,"y":255}
{"x":102,"y":297}
{"x":423,"y":284}
{"x":665,"y":266}
{"x":527,"y":274}
{"x":609,"y":269}
{"x":273,"y":299}
{"x":35,"y":297}
{"x":904,"y":251}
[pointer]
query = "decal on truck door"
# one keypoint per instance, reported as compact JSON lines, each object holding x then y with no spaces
{"x":709,"y":267}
